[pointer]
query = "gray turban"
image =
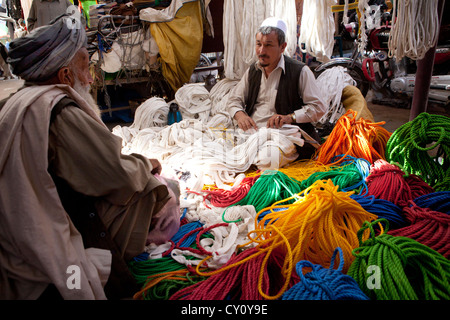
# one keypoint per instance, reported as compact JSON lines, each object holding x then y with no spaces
{"x":38,"y":56}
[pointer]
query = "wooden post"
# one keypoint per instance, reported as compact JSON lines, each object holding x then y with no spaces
{"x":423,"y":77}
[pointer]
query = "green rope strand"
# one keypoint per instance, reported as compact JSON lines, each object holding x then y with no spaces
{"x":270,"y":187}
{"x":422,"y":147}
{"x":408,"y":269}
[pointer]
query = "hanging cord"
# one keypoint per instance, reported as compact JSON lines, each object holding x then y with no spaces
{"x":387,"y":181}
{"x":356,"y":138}
{"x":428,"y":227}
{"x":324,"y":284}
{"x":422,"y":147}
{"x":415,"y":28}
{"x":398,"y":268}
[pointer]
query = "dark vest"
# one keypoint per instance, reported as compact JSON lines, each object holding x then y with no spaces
{"x":288,"y":98}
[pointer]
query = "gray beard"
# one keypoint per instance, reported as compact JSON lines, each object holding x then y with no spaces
{"x":84,"y":92}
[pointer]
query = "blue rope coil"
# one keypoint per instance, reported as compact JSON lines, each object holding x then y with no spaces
{"x":437,"y":201}
{"x":324,"y":284}
{"x":383,"y":209}
{"x":185,"y":229}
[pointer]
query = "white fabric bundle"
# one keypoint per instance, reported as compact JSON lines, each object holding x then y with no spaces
{"x":193,"y":101}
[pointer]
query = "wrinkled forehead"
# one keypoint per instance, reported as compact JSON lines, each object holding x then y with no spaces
{"x":272,"y":37}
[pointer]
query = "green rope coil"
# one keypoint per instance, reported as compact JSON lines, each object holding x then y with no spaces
{"x":407,"y":269}
{"x":271,"y":186}
{"x":422,"y":147}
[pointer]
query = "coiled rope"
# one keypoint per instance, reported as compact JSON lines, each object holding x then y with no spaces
{"x":356,"y":138}
{"x":383,"y":209}
{"x":437,"y":201}
{"x":350,"y":174}
{"x":324,"y":284}
{"x":271,"y":186}
{"x":422,"y":147}
{"x":387,"y":181}
{"x":388,"y":267}
{"x":428,"y":227}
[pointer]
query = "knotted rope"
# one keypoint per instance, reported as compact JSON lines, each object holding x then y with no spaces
{"x":422,"y":147}
{"x":324,"y":284}
{"x":388,"y":267}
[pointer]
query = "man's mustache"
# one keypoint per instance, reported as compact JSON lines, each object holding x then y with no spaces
{"x":263,"y":56}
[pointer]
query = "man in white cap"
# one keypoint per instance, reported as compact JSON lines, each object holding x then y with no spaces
{"x":277,"y":90}
{"x":73,"y":208}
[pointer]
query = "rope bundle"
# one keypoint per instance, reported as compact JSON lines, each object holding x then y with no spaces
{"x":437,"y":201}
{"x":324,"y":284}
{"x":315,"y":224}
{"x":415,"y":28}
{"x":219,"y":197}
{"x":388,"y":267}
{"x":356,"y":138}
{"x":383,"y":209}
{"x":428,"y":227}
{"x":238,"y":279}
{"x":387,"y":181}
{"x":270,"y":187}
{"x":348,"y":175}
{"x":408,"y":146}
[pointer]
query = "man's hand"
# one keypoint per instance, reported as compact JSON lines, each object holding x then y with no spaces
{"x":244,"y":121}
{"x":156,"y":166}
{"x":277,"y":121}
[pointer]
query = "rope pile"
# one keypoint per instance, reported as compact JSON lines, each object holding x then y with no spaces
{"x":324,"y":284}
{"x":356,"y":138}
{"x":369,"y":198}
{"x":401,"y":268}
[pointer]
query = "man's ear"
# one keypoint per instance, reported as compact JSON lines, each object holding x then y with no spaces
{"x":283,"y":46}
{"x":66,"y":76}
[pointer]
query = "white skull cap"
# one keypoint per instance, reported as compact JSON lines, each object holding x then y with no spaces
{"x":275,"y":22}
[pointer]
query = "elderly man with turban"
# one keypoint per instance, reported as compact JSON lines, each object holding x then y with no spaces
{"x":73,"y":209}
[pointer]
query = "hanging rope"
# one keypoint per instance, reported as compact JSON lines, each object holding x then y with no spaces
{"x":422,"y":147}
{"x":324,"y":284}
{"x":398,"y":268}
{"x":428,"y":227}
{"x":415,"y":28}
{"x":387,"y":181}
{"x":356,"y":138}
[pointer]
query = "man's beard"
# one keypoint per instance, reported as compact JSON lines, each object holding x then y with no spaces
{"x":84,"y":92}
